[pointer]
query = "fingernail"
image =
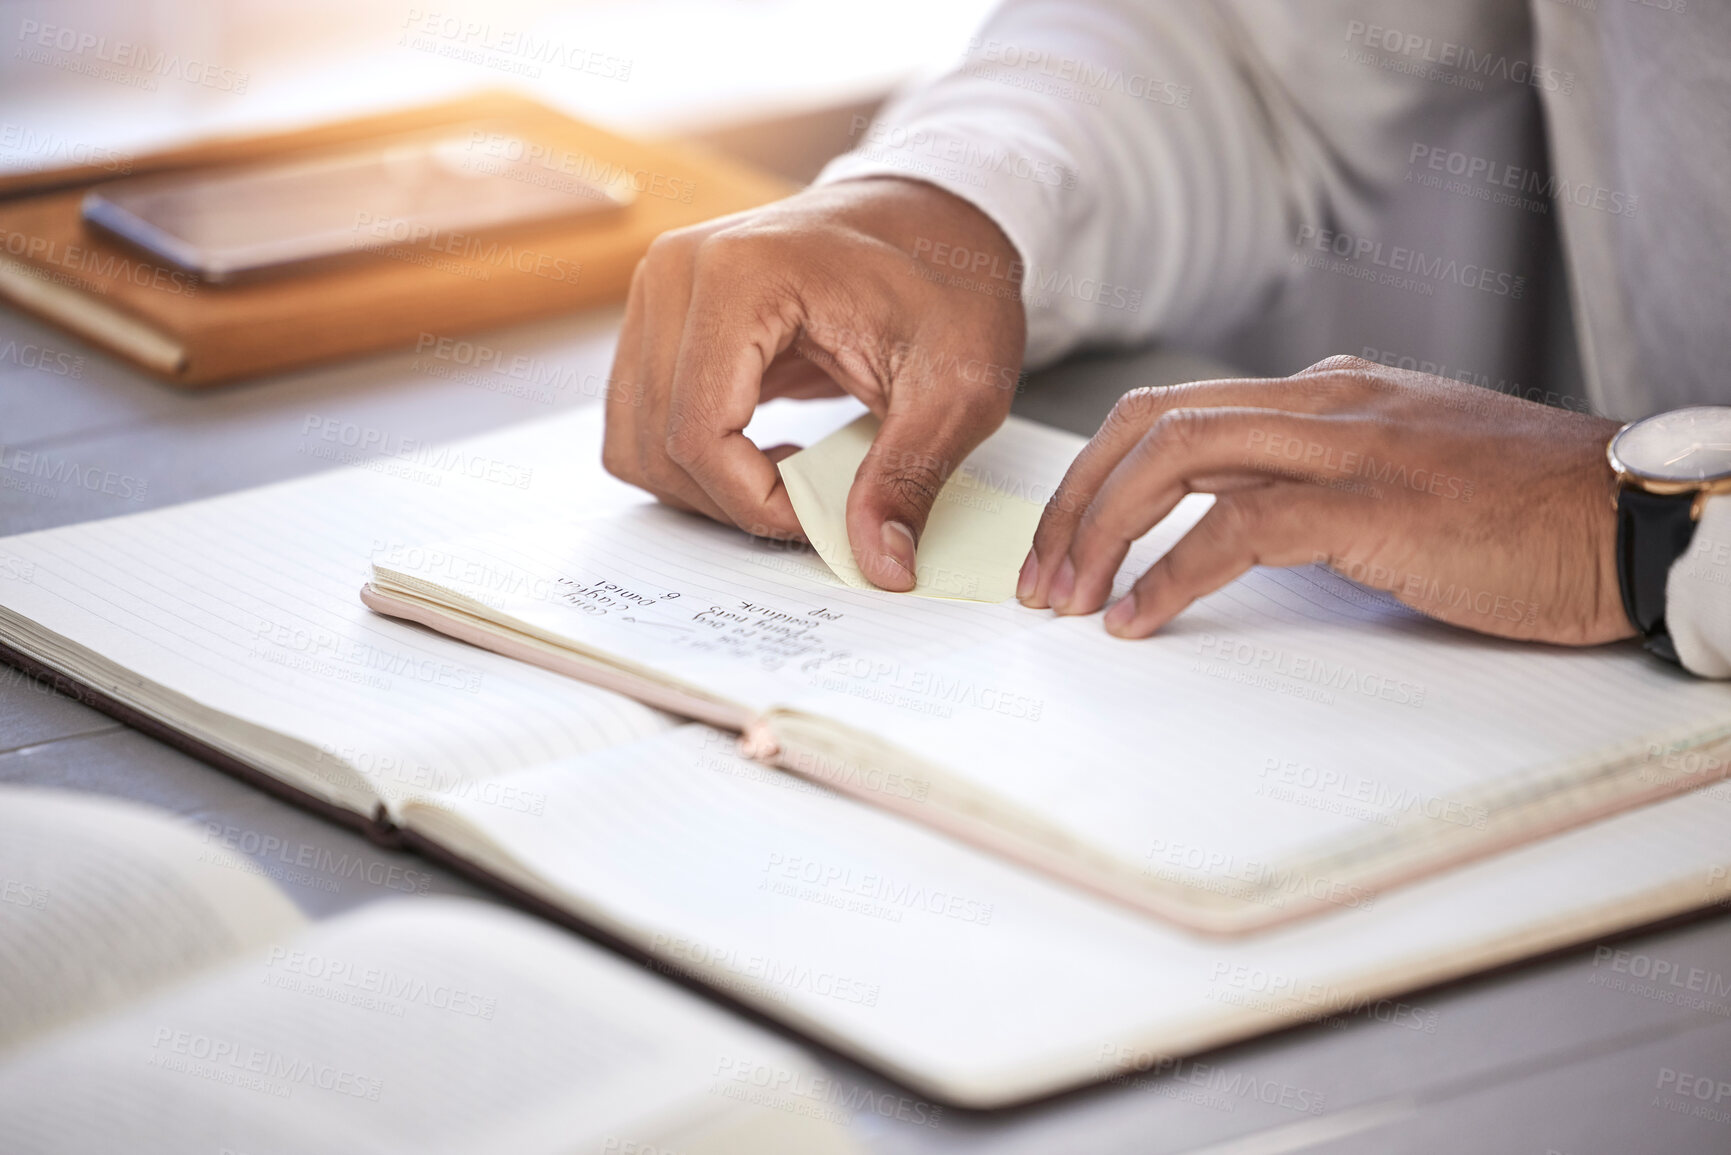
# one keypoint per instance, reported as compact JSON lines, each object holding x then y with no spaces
{"x":897,"y":541}
{"x":1122,"y":613}
{"x":1030,"y":577}
{"x":1063,"y":585}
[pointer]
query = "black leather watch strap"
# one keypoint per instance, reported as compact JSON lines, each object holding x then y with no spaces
{"x":1653,"y":531}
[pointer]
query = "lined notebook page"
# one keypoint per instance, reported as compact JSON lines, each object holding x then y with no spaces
{"x":247,"y":606}
{"x":1290,"y":716}
{"x":980,"y":981}
{"x":743,"y":618}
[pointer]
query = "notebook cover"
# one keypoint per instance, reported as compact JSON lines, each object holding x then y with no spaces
{"x":386,"y":298}
{"x":378,"y":828}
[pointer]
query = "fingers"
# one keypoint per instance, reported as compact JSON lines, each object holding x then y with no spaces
{"x":1130,"y":420}
{"x":633,"y":449}
{"x":1181,"y":452}
{"x":619,"y":442}
{"x":892,"y":496}
{"x":935,"y":419}
{"x":1286,"y":523}
{"x":810,"y":297}
{"x":733,"y":332}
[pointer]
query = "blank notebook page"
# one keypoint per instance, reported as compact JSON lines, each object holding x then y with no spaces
{"x":973,"y":976}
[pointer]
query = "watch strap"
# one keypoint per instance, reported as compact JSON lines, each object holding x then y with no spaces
{"x":1653,"y":531}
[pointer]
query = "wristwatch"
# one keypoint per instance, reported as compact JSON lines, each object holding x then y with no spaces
{"x":1667,"y":466}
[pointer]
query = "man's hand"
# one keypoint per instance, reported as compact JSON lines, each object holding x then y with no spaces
{"x":822,"y":293}
{"x":1476,"y":508}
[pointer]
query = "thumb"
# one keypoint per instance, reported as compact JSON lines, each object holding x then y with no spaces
{"x":895,"y":487}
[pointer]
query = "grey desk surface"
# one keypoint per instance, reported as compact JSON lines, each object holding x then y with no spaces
{"x":1548,"y":1057}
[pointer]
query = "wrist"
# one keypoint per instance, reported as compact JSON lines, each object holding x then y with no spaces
{"x":934,"y":225}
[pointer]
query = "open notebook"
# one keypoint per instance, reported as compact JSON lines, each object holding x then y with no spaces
{"x":158,"y":995}
{"x":1290,"y":744}
{"x":231,"y":627}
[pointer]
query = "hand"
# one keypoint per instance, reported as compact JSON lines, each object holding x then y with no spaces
{"x":812,"y":296}
{"x":1476,"y":508}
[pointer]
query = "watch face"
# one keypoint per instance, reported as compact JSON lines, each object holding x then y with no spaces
{"x":1683,"y":446}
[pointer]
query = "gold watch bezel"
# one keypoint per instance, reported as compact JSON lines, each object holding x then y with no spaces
{"x":1705,"y":487}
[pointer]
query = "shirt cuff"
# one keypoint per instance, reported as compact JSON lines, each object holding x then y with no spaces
{"x":1698,"y":595}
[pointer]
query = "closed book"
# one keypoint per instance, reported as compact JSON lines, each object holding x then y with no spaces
{"x":394,"y":290}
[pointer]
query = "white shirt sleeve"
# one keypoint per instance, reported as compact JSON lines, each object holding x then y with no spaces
{"x":1698,"y":595}
{"x":1160,"y":164}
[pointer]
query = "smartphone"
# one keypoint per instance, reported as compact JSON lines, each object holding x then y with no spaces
{"x":236,"y":223}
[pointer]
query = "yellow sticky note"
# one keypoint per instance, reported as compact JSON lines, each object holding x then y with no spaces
{"x":974,"y":542}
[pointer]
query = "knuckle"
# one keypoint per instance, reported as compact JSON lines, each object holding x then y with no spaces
{"x":668,"y":248}
{"x":1344,"y":380}
{"x":1062,"y":507}
{"x":684,"y":445}
{"x":1071,"y":498}
{"x":618,"y":461}
{"x":1100,"y":521}
{"x":913,"y":483}
{"x":1134,"y":408}
{"x":1236,"y":520}
{"x":1176,"y":431}
{"x":729,"y":249}
{"x":1341,"y":363}
{"x":838,"y":330}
